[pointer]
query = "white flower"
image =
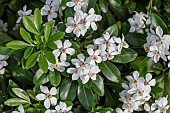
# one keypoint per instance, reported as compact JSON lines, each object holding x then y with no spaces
{"x":130,"y":107}
{"x":118,"y":110}
{"x":135,"y":80}
{"x":22,"y":13}
{"x":112,"y":51}
{"x":73,"y":25}
{"x":75,"y":73}
{"x":3,"y":26}
{"x":62,"y":108}
{"x":91,"y":74}
{"x":122,"y":43}
{"x":77,"y":4}
{"x":162,"y":104}
{"x":92,"y":18}
{"x":137,"y":23}
{"x":158,"y":51}
{"x":20,"y":109}
{"x":82,"y":63}
{"x":150,"y":109}
{"x":3,"y":63}
{"x":149,"y":80}
{"x":48,"y":96}
{"x":49,"y":11}
{"x":94,"y":56}
{"x":59,"y":65}
{"x":64,"y":49}
{"x":160,"y":38}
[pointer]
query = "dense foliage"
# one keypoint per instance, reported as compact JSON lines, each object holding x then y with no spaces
{"x":84,"y":56}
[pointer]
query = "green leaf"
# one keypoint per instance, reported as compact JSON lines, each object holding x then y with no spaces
{"x":32,"y":60}
{"x":15,"y":102}
{"x":50,"y":57}
{"x":25,"y":35}
{"x":40,"y":78}
{"x":50,"y":23}
{"x":37,"y":19}
{"x":31,"y":94}
{"x":17,"y":45}
{"x":98,"y":85}
{"x":68,"y":90}
{"x":156,"y":89}
{"x":148,"y":65}
{"x":91,"y":4}
{"x":29,"y":25}
{"x":136,"y":39}
{"x":86,"y":97}
{"x":22,"y":75}
{"x":127,"y":55}
{"x":57,"y":36}
{"x":112,"y":30}
{"x":115,"y":2}
{"x":110,"y":71}
{"x":157,"y":21}
{"x":21,"y":93}
{"x":54,"y":77}
{"x":28,"y":52}
{"x":43,"y":64}
{"x":47,"y":32}
{"x":6,"y":51}
{"x":103,"y":5}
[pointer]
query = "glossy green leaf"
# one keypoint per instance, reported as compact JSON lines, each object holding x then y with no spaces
{"x":16,"y":44}
{"x":86,"y":97}
{"x":136,"y":39}
{"x":21,"y":93}
{"x":103,"y":5}
{"x":29,"y":25}
{"x":25,"y":35}
{"x":43,"y":64}
{"x":68,"y":90}
{"x":110,"y":71}
{"x":32,"y":60}
{"x":112,"y":30}
{"x":28,"y":52}
{"x":40,"y":78}
{"x":54,"y":77}
{"x":127,"y":55}
{"x":6,"y":51}
{"x":47,"y":32}
{"x":91,"y":4}
{"x":115,"y":2}
{"x":15,"y":102}
{"x":50,"y":57}
{"x":57,"y":36}
{"x":37,"y":19}
{"x":157,"y":21}
{"x":98,"y":85}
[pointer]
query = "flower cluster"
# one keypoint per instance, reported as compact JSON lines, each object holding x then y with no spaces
{"x":3,"y":63}
{"x":107,"y":46}
{"x":138,"y":22}
{"x":137,"y":92}
{"x":157,"y":44}
{"x":81,"y":22}
{"x":61,"y":55}
{"x":3,"y":26}
{"x":50,"y":99}
{"x":50,"y":9}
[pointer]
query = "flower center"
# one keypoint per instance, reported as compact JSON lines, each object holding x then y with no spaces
{"x":84,"y":21}
{"x":57,"y":111}
{"x":56,"y":66}
{"x":109,"y":56}
{"x":158,"y":53}
{"x":48,"y":12}
{"x":77,"y":1}
{"x":91,"y":74}
{"x":83,"y":64}
{"x":74,"y":25}
{"x":107,"y":43}
{"x":128,"y":106}
{"x":63,"y":50}
{"x":95,"y":58}
{"x":49,"y":96}
{"x":140,"y":92}
{"x":135,"y":81}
